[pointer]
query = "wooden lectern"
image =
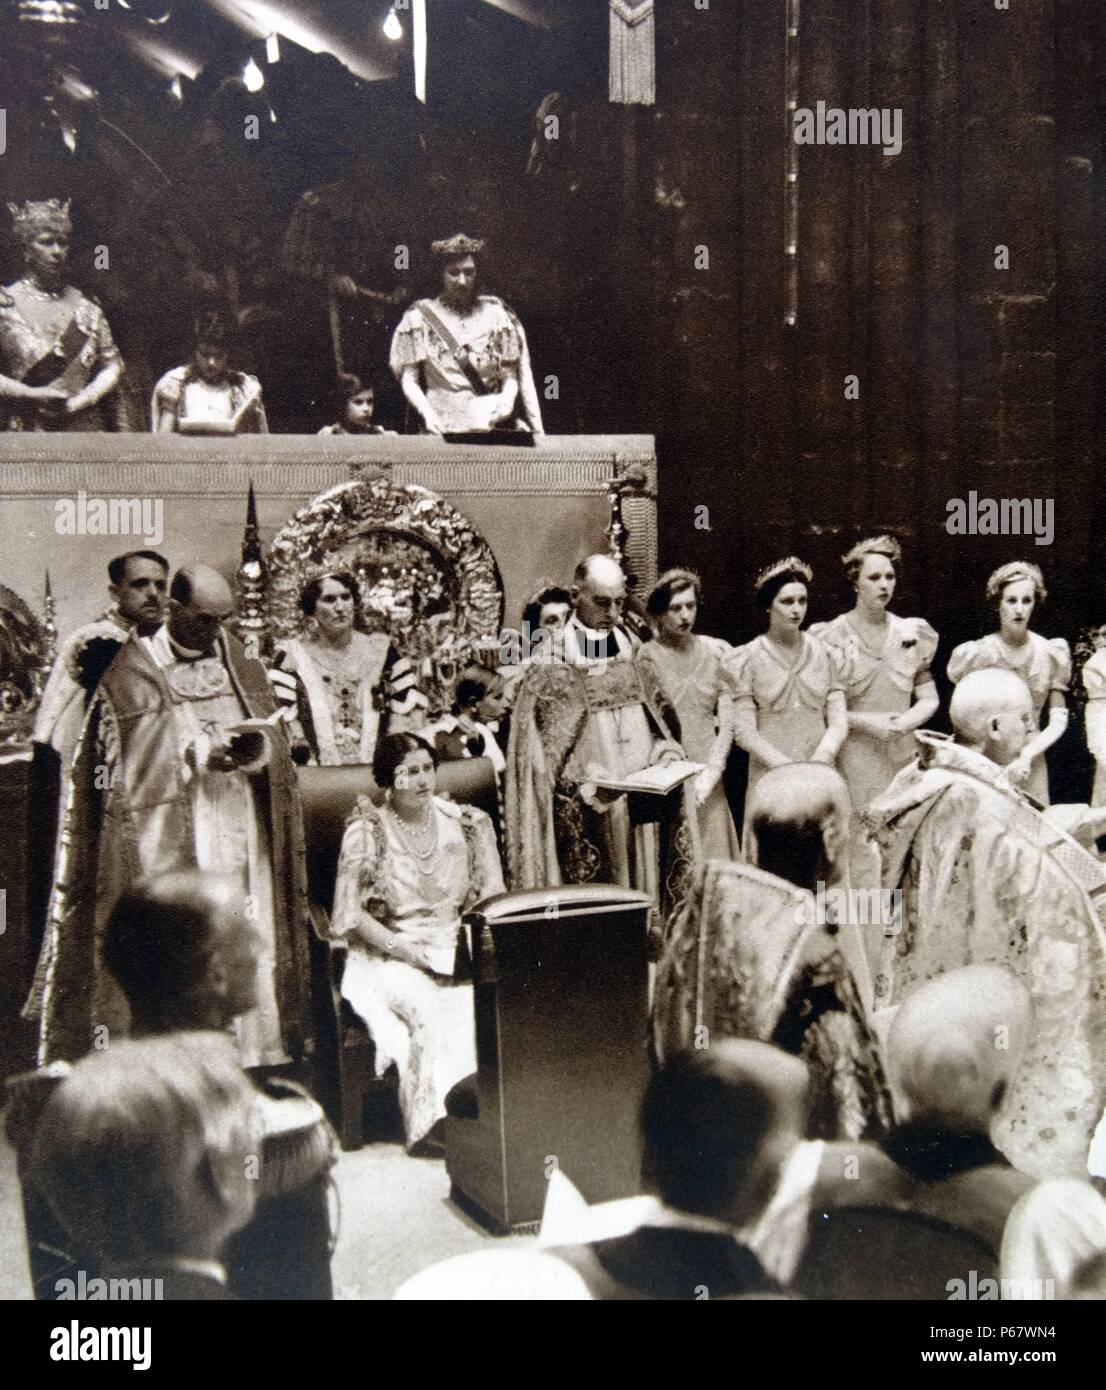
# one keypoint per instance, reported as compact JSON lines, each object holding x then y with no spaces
{"x":561,"y":998}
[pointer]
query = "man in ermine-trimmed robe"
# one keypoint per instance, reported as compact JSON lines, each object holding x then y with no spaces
{"x":586,"y":710}
{"x":179,"y":766}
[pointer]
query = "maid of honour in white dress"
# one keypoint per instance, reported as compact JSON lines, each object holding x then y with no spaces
{"x":788,"y":687}
{"x":889,"y":690}
{"x":1045,"y":666}
{"x":689,"y":670}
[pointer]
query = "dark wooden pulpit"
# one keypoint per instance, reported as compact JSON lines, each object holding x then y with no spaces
{"x":561,"y":999}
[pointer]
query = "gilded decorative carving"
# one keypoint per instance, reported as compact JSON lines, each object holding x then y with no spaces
{"x":24,"y":662}
{"x":427,"y":577}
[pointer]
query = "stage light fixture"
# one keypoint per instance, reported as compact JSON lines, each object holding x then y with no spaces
{"x":152,"y":11}
{"x":253,"y":77}
{"x":272,"y":48}
{"x":393,"y":29}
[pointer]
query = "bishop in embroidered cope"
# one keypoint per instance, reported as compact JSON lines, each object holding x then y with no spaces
{"x":165,"y":778}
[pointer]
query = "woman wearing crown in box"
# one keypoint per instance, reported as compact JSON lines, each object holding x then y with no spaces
{"x":58,"y":359}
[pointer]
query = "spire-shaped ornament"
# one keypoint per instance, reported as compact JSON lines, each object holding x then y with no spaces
{"x":252,"y":625}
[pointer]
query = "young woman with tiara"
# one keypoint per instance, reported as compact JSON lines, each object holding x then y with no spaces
{"x":788,"y":687}
{"x":689,"y":669}
{"x":1044,"y":664}
{"x":890,"y":691}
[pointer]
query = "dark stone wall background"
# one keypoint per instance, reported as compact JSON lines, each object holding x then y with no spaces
{"x":970,"y":377}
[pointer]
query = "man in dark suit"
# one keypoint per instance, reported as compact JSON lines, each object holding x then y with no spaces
{"x":719,"y":1125}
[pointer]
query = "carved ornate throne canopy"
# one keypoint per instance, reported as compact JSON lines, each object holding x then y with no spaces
{"x":24,"y":661}
{"x":427,"y":577}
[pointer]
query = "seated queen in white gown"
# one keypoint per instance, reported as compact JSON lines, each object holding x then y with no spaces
{"x":407,"y":872}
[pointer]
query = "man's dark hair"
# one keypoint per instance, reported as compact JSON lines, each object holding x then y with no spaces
{"x":181,"y":587}
{"x":117,"y":568}
{"x":704,"y":1129}
{"x":390,"y":753}
{"x":793,"y":850}
{"x":158,"y":944}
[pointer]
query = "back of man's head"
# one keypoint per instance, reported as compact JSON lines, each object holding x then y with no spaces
{"x":990,"y":710}
{"x":955,"y":1046}
{"x":799,"y":815}
{"x":181,"y":947}
{"x":718,"y":1125}
{"x":141,"y":1151}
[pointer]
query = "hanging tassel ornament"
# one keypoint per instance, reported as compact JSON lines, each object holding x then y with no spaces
{"x":633,"y":44}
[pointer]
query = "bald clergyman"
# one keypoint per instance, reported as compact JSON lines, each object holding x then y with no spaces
{"x":586,"y":709}
{"x":178,"y":768}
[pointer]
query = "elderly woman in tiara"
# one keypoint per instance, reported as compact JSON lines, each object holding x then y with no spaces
{"x":58,"y":359}
{"x":1044,"y":664}
{"x":890,"y":691}
{"x":788,"y":687}
{"x":689,"y":670}
{"x":462,"y":358}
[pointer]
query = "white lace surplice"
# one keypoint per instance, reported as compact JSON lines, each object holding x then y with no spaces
{"x":986,"y":878}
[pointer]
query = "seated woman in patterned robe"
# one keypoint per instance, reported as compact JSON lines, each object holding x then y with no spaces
{"x":407,"y":872}
{"x":340,"y":687}
{"x":754,"y":954}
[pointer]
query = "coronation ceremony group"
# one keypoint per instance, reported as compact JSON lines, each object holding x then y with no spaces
{"x":954,"y":1039}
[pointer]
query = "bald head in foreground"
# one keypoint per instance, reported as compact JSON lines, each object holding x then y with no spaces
{"x":992,"y":713}
{"x":956,"y":1044}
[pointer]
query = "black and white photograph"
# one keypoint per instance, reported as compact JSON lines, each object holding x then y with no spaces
{"x":553,"y":660}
